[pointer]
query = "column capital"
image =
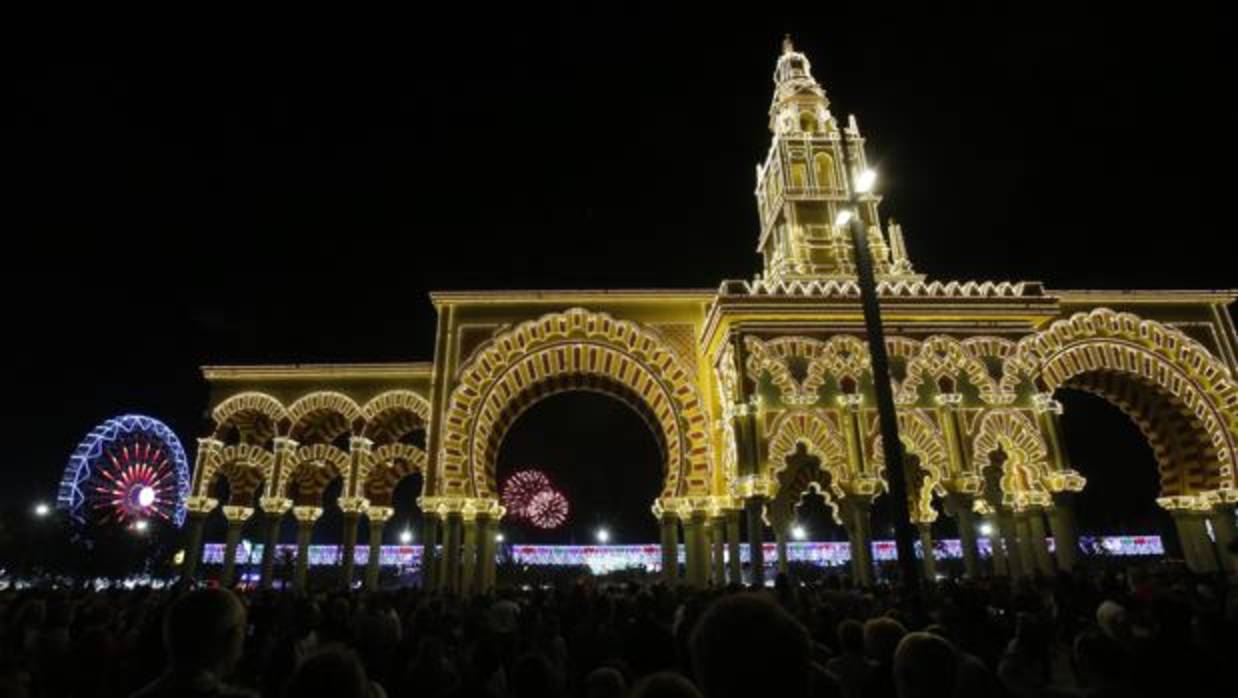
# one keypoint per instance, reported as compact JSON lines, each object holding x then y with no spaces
{"x":237,"y":514}
{"x":1065,"y":481}
{"x":743,"y":408}
{"x":379,"y":514}
{"x":201,"y":505}
{"x":851,"y":401}
{"x":360,"y":443}
{"x":1044,"y":403}
{"x":1184,"y":504}
{"x":283,"y":444}
{"x":306,"y":514}
{"x":275,"y":505}
{"x":949,"y":399}
{"x":752,"y":486}
{"x":353,"y":505}
{"x":964,"y":484}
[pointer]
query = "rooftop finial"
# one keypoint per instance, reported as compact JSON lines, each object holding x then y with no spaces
{"x":787,"y":46}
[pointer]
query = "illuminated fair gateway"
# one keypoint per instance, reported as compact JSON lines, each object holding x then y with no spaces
{"x":756,"y":391}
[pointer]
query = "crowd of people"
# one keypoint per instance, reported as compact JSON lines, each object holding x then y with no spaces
{"x":1150,"y":630}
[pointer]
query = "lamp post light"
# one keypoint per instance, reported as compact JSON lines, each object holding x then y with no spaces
{"x":986,"y":529}
{"x":798,"y":532}
{"x":498,"y":538}
{"x":891,"y":446}
{"x":406,"y":537}
{"x":603,"y":535}
{"x":42,"y":510}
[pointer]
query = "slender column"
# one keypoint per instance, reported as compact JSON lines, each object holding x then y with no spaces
{"x":1010,"y":541}
{"x":429,"y":550}
{"x":305,"y":516}
{"x":696,"y":548}
{"x":1040,"y":546}
{"x":859,"y":513}
{"x":732,"y":547}
{"x":487,"y":529}
{"x":755,"y":507}
{"x":997,"y":545}
{"x":1196,"y":547}
{"x":378,"y":517}
{"x":236,"y":515}
{"x":451,"y":552}
{"x":193,"y":544}
{"x":1065,"y":533}
{"x":270,"y":538}
{"x":780,"y":540}
{"x":352,"y":508}
{"x":1027,"y":552}
{"x":670,"y":548}
{"x":927,"y":555}
{"x":717,"y":533}
{"x":961,"y":507}
{"x":468,"y":555}
{"x":1222,"y":518}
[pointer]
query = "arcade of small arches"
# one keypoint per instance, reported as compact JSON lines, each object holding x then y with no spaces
{"x":286,"y":457}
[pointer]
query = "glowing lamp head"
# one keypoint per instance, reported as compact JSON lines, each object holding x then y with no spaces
{"x":843,"y":217}
{"x":986,"y":529}
{"x":798,"y":533}
{"x":865,"y":181}
{"x":603,"y":535}
{"x":146,"y":496}
{"x":141,"y":525}
{"x":41,"y":509}
{"x":406,"y":536}
{"x":498,"y":538}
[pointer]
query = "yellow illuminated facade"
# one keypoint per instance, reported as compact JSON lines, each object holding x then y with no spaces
{"x":757,"y":392}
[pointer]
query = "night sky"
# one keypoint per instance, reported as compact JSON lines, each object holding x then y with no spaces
{"x":189,"y":190}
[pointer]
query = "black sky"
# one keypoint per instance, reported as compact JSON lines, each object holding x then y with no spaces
{"x":196,"y":190}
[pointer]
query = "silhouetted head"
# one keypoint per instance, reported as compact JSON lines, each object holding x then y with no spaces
{"x":746,"y":645}
{"x":333,"y":672}
{"x":665,"y":684}
{"x":925,"y":666}
{"x":851,"y":636}
{"x":881,"y":638}
{"x":204,"y":630}
{"x":605,"y":682}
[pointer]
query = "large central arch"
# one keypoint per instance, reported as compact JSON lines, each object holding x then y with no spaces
{"x":1181,"y":396}
{"x":573,"y":350}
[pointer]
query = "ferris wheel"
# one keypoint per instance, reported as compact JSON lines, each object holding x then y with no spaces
{"x":128,"y":471}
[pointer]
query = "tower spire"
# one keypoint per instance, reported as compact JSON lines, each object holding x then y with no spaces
{"x":802,"y":186}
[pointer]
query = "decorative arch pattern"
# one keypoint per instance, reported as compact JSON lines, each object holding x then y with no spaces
{"x":1026,"y":466}
{"x":391,"y":464}
{"x":942,"y":355}
{"x":576,"y":341}
{"x":1198,"y":384}
{"x":244,"y":466}
{"x":922,"y":438}
{"x":255,"y":415}
{"x":323,"y":416}
{"x":391,"y":415}
{"x":819,"y":438}
{"x":313,"y":467}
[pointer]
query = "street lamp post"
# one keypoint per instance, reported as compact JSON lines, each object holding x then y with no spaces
{"x":892,"y":447}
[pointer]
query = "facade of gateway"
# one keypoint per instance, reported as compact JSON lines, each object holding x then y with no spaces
{"x":756,"y":391}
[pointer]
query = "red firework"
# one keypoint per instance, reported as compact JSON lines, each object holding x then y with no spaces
{"x":548,"y":509}
{"x":520,"y":489}
{"x":135,"y":481}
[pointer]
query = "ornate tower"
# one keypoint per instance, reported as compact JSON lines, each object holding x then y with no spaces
{"x":802,"y":187}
